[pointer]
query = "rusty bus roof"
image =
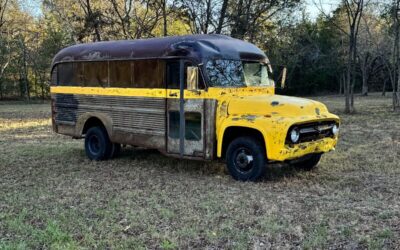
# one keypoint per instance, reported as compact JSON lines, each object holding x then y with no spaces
{"x":196,"y":47}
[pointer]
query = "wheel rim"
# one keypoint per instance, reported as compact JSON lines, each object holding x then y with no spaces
{"x":243,"y":160}
{"x":94,"y":145}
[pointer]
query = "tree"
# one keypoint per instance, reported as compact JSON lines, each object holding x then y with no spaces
{"x":353,"y":12}
{"x":395,"y":79}
{"x":371,"y":43}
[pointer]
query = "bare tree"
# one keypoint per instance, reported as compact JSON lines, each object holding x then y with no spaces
{"x":138,"y":20}
{"x":199,"y":14}
{"x":5,"y":56}
{"x":222,"y":17}
{"x":395,"y":75}
{"x":123,"y":13}
{"x":164,"y":15}
{"x":93,"y":19}
{"x":3,"y":7}
{"x":248,"y":16}
{"x":353,"y":13}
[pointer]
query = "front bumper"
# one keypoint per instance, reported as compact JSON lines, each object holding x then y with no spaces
{"x":290,"y":152}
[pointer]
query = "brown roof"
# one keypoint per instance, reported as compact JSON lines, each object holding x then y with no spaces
{"x":196,"y":47}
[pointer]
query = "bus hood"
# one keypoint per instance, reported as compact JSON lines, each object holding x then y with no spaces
{"x":275,"y":105}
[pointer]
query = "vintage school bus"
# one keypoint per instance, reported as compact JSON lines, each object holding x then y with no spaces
{"x":199,"y":97}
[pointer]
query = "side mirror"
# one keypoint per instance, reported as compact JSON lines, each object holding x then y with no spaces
{"x":283,"y":80}
{"x":192,"y":78}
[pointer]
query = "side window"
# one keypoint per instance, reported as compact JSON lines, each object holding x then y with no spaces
{"x":95,"y":74}
{"x":121,"y":74}
{"x":172,"y":75}
{"x":117,"y":74}
{"x":54,"y":76}
{"x":78,"y":74}
{"x":66,"y":74}
{"x":148,"y":74}
{"x":193,"y":126}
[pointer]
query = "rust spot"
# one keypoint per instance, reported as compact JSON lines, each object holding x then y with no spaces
{"x":249,"y":118}
{"x":196,"y":92}
{"x":274,"y":103}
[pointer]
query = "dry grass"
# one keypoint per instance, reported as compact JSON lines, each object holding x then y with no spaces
{"x":52,"y":196}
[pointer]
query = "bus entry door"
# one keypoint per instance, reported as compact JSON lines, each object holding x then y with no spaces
{"x":185,"y":116}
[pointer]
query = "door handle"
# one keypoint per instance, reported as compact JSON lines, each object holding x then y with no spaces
{"x":173,"y":94}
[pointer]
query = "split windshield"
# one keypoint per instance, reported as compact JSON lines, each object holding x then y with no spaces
{"x":234,"y":73}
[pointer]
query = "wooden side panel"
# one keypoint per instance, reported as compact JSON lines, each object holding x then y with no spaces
{"x":131,"y":117}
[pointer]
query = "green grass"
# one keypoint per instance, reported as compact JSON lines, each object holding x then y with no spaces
{"x":52,"y":196}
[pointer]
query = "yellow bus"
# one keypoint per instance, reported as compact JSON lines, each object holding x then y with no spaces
{"x":201,"y":97}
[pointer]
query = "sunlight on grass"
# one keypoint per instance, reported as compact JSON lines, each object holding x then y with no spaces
{"x":9,"y":125}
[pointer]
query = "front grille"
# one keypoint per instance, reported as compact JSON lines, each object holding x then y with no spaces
{"x":312,"y":131}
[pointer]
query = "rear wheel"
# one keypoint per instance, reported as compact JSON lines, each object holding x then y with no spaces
{"x":245,"y":158}
{"x":115,"y":150}
{"x":308,"y":164}
{"x":97,"y":144}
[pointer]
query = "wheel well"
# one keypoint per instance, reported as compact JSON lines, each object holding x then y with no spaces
{"x":92,"y":122}
{"x":232,"y":133}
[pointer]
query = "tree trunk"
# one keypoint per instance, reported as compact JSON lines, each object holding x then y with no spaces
{"x":384,"y":88}
{"x":222,"y":17}
{"x":237,"y":21}
{"x":1,"y":89}
{"x":364,"y":90}
{"x":396,"y":68}
{"x":347,"y":92}
{"x":396,"y":91}
{"x":348,"y":79}
{"x":164,"y":13}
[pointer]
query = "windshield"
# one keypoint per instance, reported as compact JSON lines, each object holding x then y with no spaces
{"x":234,"y":73}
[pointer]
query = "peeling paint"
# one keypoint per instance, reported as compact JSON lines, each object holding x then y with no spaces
{"x":274,"y":103}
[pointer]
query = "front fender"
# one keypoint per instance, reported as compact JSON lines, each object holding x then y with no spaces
{"x":245,"y":121}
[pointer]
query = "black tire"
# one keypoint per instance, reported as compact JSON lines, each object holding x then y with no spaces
{"x":98,"y":146}
{"x":308,"y":164}
{"x":238,"y":160}
{"x":115,"y":150}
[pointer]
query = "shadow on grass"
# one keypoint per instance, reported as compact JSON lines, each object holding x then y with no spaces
{"x":274,"y":172}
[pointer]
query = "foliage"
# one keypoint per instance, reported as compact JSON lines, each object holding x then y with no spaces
{"x":315,"y":51}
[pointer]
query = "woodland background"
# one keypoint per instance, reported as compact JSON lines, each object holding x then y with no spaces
{"x":353,"y":49}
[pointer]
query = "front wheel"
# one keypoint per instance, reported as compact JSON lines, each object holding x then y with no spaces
{"x":245,"y":159}
{"x":308,"y":164}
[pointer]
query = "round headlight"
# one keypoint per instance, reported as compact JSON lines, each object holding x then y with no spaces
{"x":335,"y":130}
{"x":294,"y":135}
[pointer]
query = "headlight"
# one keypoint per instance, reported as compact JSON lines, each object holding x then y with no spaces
{"x":295,"y":135}
{"x":335,"y":130}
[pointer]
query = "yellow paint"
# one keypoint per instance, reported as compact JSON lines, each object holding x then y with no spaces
{"x":252,"y":107}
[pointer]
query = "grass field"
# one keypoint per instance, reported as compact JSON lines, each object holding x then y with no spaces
{"x":52,"y":196}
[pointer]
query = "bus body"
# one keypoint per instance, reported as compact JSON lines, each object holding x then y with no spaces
{"x":198,"y":97}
